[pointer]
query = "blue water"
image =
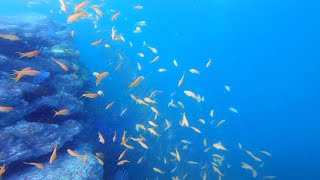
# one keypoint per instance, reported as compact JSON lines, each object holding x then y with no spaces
{"x":266,"y":51}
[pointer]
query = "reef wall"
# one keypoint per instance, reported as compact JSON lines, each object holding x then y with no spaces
{"x":30,"y":130}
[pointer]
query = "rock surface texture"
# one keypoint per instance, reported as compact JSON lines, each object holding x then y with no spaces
{"x":31,"y":130}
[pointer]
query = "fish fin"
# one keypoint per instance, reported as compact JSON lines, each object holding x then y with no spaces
{"x":55,"y":113}
{"x":21,"y":54}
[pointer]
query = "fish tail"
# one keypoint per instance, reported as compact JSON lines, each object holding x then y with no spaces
{"x":55,"y":113}
{"x":21,"y":54}
{"x":80,"y":97}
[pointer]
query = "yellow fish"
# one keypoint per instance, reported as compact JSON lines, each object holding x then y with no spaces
{"x":101,"y":138}
{"x":54,"y":155}
{"x":219,"y":146}
{"x":155,"y":111}
{"x":38,"y":165}
{"x":155,"y":59}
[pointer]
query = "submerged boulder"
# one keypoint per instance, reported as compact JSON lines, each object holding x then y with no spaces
{"x":65,"y":167}
{"x":26,"y":140}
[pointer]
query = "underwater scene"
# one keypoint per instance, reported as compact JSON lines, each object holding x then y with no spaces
{"x":150,"y":89}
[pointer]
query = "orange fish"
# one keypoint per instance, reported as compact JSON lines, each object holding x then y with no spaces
{"x":97,"y":10}
{"x":110,"y":105}
{"x":155,"y":59}
{"x":96,"y":42}
{"x":26,"y":71}
{"x":29,"y":54}
{"x":80,"y":6}
{"x":138,"y":7}
{"x":6,"y":109}
{"x":181,"y":80}
{"x":64,"y":7}
{"x":2,"y":169}
{"x":63,"y":66}
{"x":72,"y":34}
{"x":73,"y":153}
{"x":62,"y":112}
{"x":115,"y":16}
{"x":101,"y":138}
{"x":9,"y":37}
{"x":38,"y":165}
{"x":100,"y":77}
{"x":136,"y":82}
{"x":114,"y":137}
{"x":76,"y":16}
{"x":54,"y":154}
{"x":89,"y":95}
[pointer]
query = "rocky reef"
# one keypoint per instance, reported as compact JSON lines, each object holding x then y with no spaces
{"x":30,"y":130}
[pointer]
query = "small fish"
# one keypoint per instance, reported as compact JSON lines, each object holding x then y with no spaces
{"x":192,"y":95}
{"x":139,"y":160}
{"x":101,"y":138}
{"x":30,"y":54}
{"x":122,"y":162}
{"x":233,"y":110}
{"x":80,"y":6}
{"x":107,"y":45}
{"x":219,"y":146}
{"x":181,"y":80}
{"x":26,"y":71}
{"x":194,"y":71}
{"x":217,"y":170}
{"x":89,"y":95}
{"x":152,"y":124}
{"x":152,"y":131}
{"x":205,"y":142}
{"x":158,"y":170}
{"x":64,"y":7}
{"x":174,"y":169}
{"x":178,"y":155}
{"x":99,"y":160}
{"x":181,"y":104}
{"x":100,"y":93}
{"x":63,"y":66}
{"x":269,"y":177}
{"x":72,"y":33}
{"x":63,"y":112}
{"x":54,"y":154}
{"x":76,"y":16}
{"x":247,"y":166}
{"x":162,"y":70}
{"x":9,"y":37}
{"x":154,"y":50}
{"x":193,"y":162}
{"x":96,"y":42}
{"x":240,"y":145}
{"x":143,"y":144}
{"x":227,"y":88}
{"x":195,"y":129}
{"x":206,"y":150}
{"x":155,"y":59}
{"x":97,"y":10}
{"x":139,"y":66}
{"x":109,"y":105}
{"x":175,"y":63}
{"x":141,"y":55}
{"x":184,"y":121}
{"x":202,"y":121}
{"x":2,"y":170}
{"x":6,"y":109}
{"x":114,"y":137}
{"x":122,"y":154}
{"x":115,"y":16}
{"x":185,"y":141}
{"x":253,"y":156}
{"x":220,"y":122}
{"x":38,"y":165}
{"x":211,"y":113}
{"x":208,"y":63}
{"x":136,"y":82}
{"x":137,"y":30}
{"x":100,"y":155}
{"x":266,"y":153}
{"x":124,"y":111}
{"x":168,"y":124}
{"x":155,"y":111}
{"x":148,"y":100}
{"x":138,"y":7}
